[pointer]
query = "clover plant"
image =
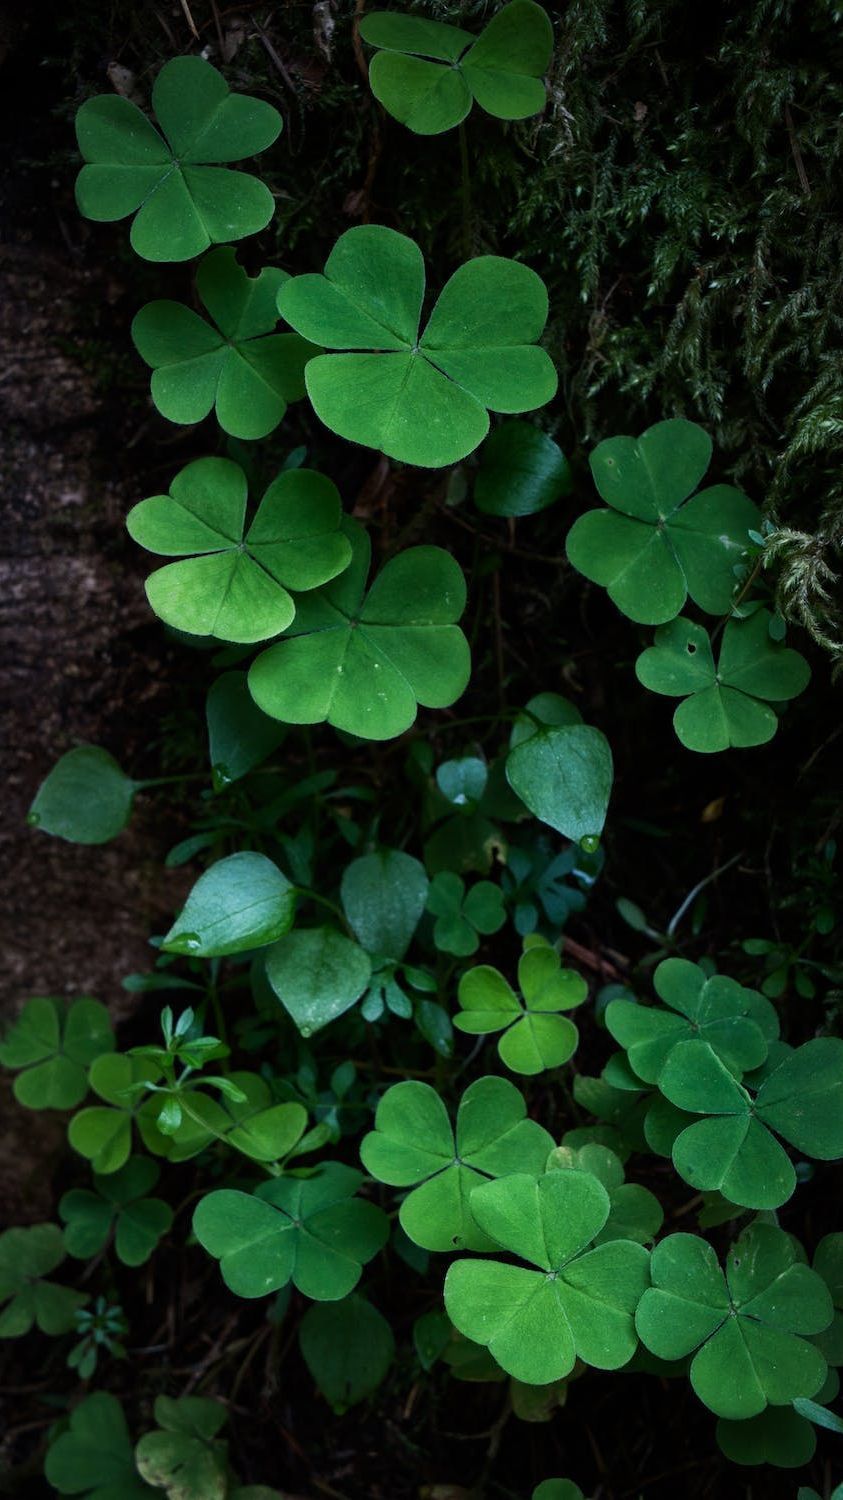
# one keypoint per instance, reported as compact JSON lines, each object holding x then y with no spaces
{"x":120,"y":1206}
{"x":463,"y":916}
{"x":183,"y":1455}
{"x":50,"y":1047}
{"x":348,"y":1347}
{"x":94,"y":1457}
{"x":535,"y":1036}
{"x":27,"y":1257}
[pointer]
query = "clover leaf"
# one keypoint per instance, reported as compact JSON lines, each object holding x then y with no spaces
{"x":383,"y":896}
{"x":180,"y":202}
{"x":522,"y":471}
{"x":184,"y":1456}
{"x":557,"y":1489}
{"x":311,"y":1231}
{"x":362,"y":660}
{"x":414,"y":1145}
{"x":828,"y":1263}
{"x":94,"y":1457}
{"x":119,"y":1203}
{"x":241,"y":902}
{"x":462,"y":917}
{"x":27,"y":1256}
{"x":103,"y":1132}
{"x":578,"y":1303}
{"x":777,"y":1435}
{"x":317,"y":973}
{"x":734,"y":1150}
{"x":736,"y":1023}
{"x":86,"y":798}
{"x":241,"y":368}
{"x":564,"y":775}
{"x":233,"y":583}
{"x":52,"y":1044}
{"x":348,"y":1347}
{"x":535,"y":1035}
{"x":728,"y":705}
{"x":634,"y":1214}
{"x":744,"y":1325}
{"x":420,"y":397}
{"x":427,"y":74}
{"x":654,"y":546}
{"x":253,"y":1123}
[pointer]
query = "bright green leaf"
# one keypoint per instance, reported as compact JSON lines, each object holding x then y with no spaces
{"x":535,"y":1036}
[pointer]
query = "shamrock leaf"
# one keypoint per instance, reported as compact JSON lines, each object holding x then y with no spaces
{"x":461,"y":918}
{"x":311,"y":1231}
{"x":52,"y":1044}
{"x":120,"y":1204}
{"x":94,"y":1456}
{"x":240,"y":737}
{"x":253,"y":1123}
{"x":522,"y":471}
{"x":564,"y":774}
{"x":736,"y":1023}
{"x":634,"y":1214}
{"x":241,"y":368}
{"x":734,"y":1150}
{"x":233,"y":582}
{"x":241,"y":902}
{"x":86,"y":799}
{"x":27,"y":1256}
{"x":184,"y":1456}
{"x":365,"y":661}
{"x":729,"y":705}
{"x":348,"y":1347}
{"x":743,"y":1326}
{"x":413,"y":1143}
{"x":420,"y":397}
{"x":655,"y":546}
{"x":828,"y":1263}
{"x":317,"y":974}
{"x":578,"y":1304}
{"x":383,"y":896}
{"x":777,"y":1435}
{"x":428,"y":74}
{"x":181,"y":204}
{"x":103,"y":1132}
{"x":535,"y":1036}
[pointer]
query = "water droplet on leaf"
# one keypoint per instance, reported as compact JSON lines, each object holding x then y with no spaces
{"x":590,"y":843}
{"x":221,"y":777}
{"x":33,"y":819}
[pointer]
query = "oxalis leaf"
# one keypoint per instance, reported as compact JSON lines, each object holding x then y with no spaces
{"x":429,"y":74}
{"x":734,"y":1150}
{"x":184,"y":1456}
{"x":52,"y":1044}
{"x":364,"y":661}
{"x":535,"y":1035}
{"x":736,"y":1023}
{"x":255,"y":1124}
{"x":777,"y":1435}
{"x":728,"y":705}
{"x":311,"y":1231}
{"x":744,"y":1326}
{"x":103,"y":1132}
{"x":414,"y":1145}
{"x":654,"y":546}
{"x":422,"y":397}
{"x":522,"y":471}
{"x":234,"y":583}
{"x":242,"y":902}
{"x":94,"y":1457}
{"x":317,"y":974}
{"x":181,"y":204}
{"x":120,"y":1203}
{"x":634,"y":1214}
{"x":86,"y":798}
{"x":564,"y":776}
{"x":557,"y":1489}
{"x":348,"y":1347}
{"x":578,"y":1304}
{"x":27,"y":1256}
{"x":242,"y":368}
{"x":462,"y":917}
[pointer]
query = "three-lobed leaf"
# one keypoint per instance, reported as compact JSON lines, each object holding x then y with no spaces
{"x":94,"y":1456}
{"x":27,"y":1256}
{"x":51,"y":1045}
{"x":119,"y":1203}
{"x":535,"y":1036}
{"x":184,"y":1456}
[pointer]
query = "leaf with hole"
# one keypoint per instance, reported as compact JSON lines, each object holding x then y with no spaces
{"x":421,"y":396}
{"x":50,"y":1045}
{"x":184,"y":1456}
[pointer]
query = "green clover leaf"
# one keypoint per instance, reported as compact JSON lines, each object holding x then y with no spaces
{"x":103,"y":1132}
{"x":654,"y":546}
{"x":427,"y":74}
{"x":413,"y":1145}
{"x":27,"y":1256}
{"x":348,"y":1347}
{"x":462,"y":917}
{"x":535,"y":1036}
{"x":233,"y":583}
{"x":522,"y":471}
{"x":52,"y":1044}
{"x":119,"y":1203}
{"x":254,"y":1124}
{"x":828,"y":1263}
{"x":364,"y":661}
{"x":744,"y":1326}
{"x":634,"y":1213}
{"x":736,"y":1023}
{"x":94,"y":1457}
{"x":311,"y":1231}
{"x":86,"y":799}
{"x":181,"y":204}
{"x":558,"y":1489}
{"x":383,"y":896}
{"x":318,"y":974}
{"x":242,"y":902}
{"x":729,"y":705}
{"x":241,"y":368}
{"x":734,"y":1150}
{"x":777,"y":1435}
{"x":420,"y":397}
{"x":184,"y":1456}
{"x":578,"y":1304}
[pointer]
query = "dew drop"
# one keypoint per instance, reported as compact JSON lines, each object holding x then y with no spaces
{"x":306,"y":1031}
{"x":185,"y":942}
{"x":221,"y":777}
{"x":33,"y":819}
{"x":590,"y":843}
